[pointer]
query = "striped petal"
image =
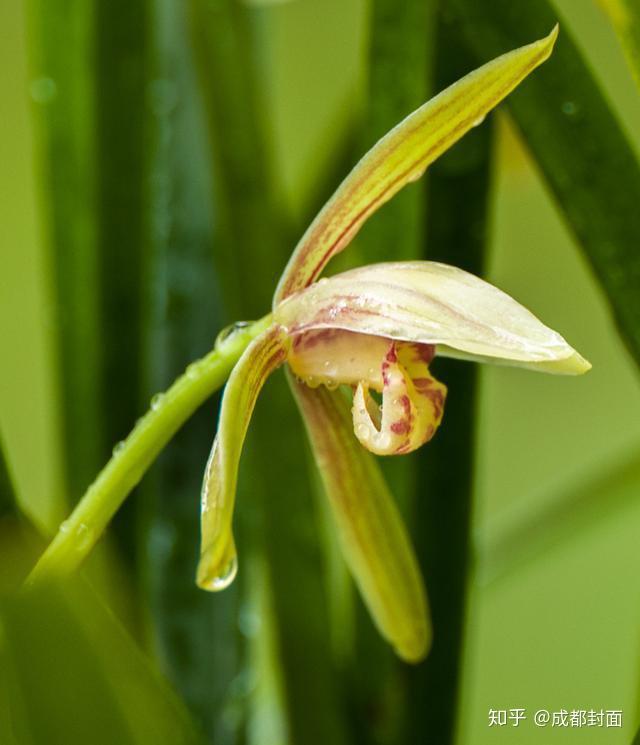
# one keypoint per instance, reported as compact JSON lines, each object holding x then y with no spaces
{"x":402,"y":155}
{"x":372,"y":535}
{"x":218,"y":561}
{"x":431,"y":303}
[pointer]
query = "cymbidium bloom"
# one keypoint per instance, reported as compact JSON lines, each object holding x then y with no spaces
{"x":377,"y":328}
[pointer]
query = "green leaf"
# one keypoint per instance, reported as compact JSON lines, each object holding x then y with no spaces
{"x":195,"y":635}
{"x":459,"y":185}
{"x":625,"y":17}
{"x":63,"y":89}
{"x":275,"y":520}
{"x":579,"y":146}
{"x":73,"y":675}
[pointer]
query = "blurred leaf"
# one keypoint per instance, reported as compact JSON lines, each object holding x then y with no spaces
{"x":8,"y":503}
{"x":625,"y":16}
{"x":73,"y":675}
{"x":525,"y":533}
{"x":277,"y":528}
{"x":63,"y":89}
{"x":194,"y":633}
{"x":578,"y":144}
{"x":400,"y":59}
{"x":457,"y":231}
{"x":121,"y":76}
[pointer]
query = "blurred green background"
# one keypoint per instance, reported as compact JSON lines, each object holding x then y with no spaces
{"x":553,"y":619}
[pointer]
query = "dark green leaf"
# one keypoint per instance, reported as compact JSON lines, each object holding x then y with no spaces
{"x":456,"y":234}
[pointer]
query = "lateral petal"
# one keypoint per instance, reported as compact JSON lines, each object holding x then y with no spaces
{"x":374,"y":541}
{"x":218,"y":561}
{"x":402,"y":156}
{"x":432,"y":303}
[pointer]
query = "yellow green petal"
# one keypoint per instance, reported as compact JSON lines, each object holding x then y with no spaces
{"x":402,"y":155}
{"x":218,"y":561}
{"x":373,"y":538}
{"x":432,"y":303}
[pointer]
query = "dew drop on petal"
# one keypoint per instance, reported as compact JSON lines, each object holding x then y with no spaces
{"x":477,"y":122}
{"x":225,"y":577}
{"x":118,"y":448}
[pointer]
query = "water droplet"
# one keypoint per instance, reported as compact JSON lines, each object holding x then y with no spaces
{"x":118,"y":448}
{"x":332,"y":385}
{"x":477,"y":122}
{"x":322,"y":281}
{"x":416,"y":176}
{"x":311,"y":381}
{"x":385,"y":440}
{"x":327,"y":363}
{"x":156,"y":401}
{"x":225,"y":577}
{"x":43,"y":90}
{"x":230,"y":331}
{"x":65,"y":527}
{"x":84,"y":537}
{"x":363,"y":432}
{"x":193,"y":370}
{"x":569,"y":108}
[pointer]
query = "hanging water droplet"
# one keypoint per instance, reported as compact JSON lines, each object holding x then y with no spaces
{"x":477,"y":122}
{"x":230,"y":331}
{"x":332,"y":385}
{"x":156,"y":401}
{"x":65,"y":527}
{"x":193,"y":370}
{"x":118,"y":448}
{"x":322,"y":281}
{"x":225,"y":577}
{"x":384,"y":440}
{"x":363,"y":432}
{"x":43,"y":90}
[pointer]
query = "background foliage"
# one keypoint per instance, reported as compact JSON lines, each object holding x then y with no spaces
{"x":159,"y":159}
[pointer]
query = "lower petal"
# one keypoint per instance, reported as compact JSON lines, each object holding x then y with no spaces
{"x":373,"y":538}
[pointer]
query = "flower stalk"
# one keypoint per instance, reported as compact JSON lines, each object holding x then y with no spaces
{"x":132,"y":457}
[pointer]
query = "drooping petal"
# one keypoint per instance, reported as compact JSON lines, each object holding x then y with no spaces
{"x":402,"y":155}
{"x":373,"y":538}
{"x":432,"y":303}
{"x":412,"y":403}
{"x":218,"y":562}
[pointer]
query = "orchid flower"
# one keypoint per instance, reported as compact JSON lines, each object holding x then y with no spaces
{"x":377,"y":328}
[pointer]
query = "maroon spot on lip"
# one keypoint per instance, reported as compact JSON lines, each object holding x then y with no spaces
{"x":424,"y":352}
{"x":400,"y":427}
{"x":405,"y":401}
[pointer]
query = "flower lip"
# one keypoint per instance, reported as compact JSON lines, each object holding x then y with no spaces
{"x":431,"y":303}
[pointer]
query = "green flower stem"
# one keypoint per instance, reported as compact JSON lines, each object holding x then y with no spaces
{"x":77,"y":535}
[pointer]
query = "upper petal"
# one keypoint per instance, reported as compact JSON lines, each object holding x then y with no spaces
{"x":402,"y":155}
{"x":431,"y":303}
{"x":217,"y":564}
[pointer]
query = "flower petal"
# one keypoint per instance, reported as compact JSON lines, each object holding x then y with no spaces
{"x":402,"y":155}
{"x":412,"y":403}
{"x":431,"y":303}
{"x":374,"y":540}
{"x":218,"y":561}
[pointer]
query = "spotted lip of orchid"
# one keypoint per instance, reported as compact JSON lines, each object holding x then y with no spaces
{"x":375,"y":330}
